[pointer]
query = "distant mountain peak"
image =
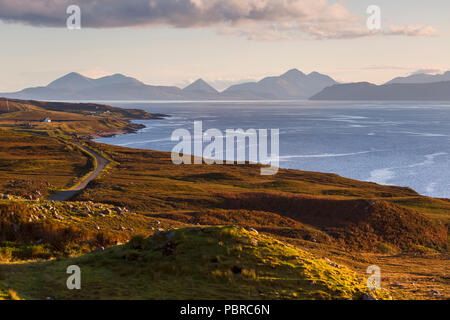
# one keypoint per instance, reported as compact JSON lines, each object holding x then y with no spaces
{"x":293,"y":72}
{"x":422,"y":78}
{"x":117,"y":76}
{"x":71,"y":80}
{"x":200,"y":85}
{"x":72,"y":75}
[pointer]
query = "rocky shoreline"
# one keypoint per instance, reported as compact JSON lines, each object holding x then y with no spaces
{"x":131,"y":128}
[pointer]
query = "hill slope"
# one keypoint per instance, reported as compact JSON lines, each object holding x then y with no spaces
{"x":192,"y":263}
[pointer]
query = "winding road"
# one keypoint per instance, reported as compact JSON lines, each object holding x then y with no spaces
{"x":101,"y":164}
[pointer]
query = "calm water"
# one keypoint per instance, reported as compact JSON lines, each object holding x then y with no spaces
{"x":405,"y":144}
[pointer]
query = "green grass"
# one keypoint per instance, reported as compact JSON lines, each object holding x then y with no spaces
{"x":191,"y":263}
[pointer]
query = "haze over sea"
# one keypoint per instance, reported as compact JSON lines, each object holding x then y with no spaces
{"x":395,"y":143}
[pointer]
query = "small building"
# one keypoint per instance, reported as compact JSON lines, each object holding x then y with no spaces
{"x":47,"y":120}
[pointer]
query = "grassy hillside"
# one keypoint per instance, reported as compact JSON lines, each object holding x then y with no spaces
{"x":34,"y":166}
{"x":362,"y":215}
{"x":192,"y":263}
{"x":68,"y":119}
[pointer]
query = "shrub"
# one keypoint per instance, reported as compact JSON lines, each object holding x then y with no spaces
{"x":137,"y":242}
{"x":386,"y":248}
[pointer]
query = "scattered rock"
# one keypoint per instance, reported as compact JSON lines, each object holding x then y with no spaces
{"x":252,"y":230}
{"x":236,"y":270}
{"x":368,"y":296}
{"x":435,"y":292}
{"x":169,"y":249}
{"x":159,"y":231}
{"x":333,"y":264}
{"x":170,"y":235}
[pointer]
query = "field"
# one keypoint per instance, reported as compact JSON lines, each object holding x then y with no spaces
{"x":329,"y":223}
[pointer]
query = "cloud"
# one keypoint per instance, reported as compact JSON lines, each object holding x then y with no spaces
{"x":254,"y":19}
{"x":412,"y":31}
{"x":428,"y":71}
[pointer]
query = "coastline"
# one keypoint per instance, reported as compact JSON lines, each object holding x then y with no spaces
{"x":135,"y":128}
{"x":132,"y":128}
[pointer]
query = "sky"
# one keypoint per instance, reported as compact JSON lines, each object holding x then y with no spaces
{"x":174,"y":42}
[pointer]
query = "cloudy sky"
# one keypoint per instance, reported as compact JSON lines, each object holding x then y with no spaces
{"x":173,"y":42}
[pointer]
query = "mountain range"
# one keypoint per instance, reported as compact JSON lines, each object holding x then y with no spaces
{"x":438,"y":91}
{"x":416,"y":87}
{"x":422,"y":78}
{"x":291,"y":85}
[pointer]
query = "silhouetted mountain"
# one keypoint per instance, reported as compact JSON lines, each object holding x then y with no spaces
{"x":439,"y":91}
{"x":200,"y":86}
{"x":74,"y":86}
{"x":200,"y":89}
{"x":422,"y":78}
{"x":294,"y":84}
{"x":73,"y":80}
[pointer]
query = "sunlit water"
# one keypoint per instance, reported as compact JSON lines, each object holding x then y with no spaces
{"x":395,"y":143}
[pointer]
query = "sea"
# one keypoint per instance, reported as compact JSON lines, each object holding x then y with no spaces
{"x":391,"y":143}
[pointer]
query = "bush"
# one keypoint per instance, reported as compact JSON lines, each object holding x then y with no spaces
{"x":21,"y":239}
{"x":386,"y":248}
{"x":6,"y":254}
{"x":137,"y":242}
